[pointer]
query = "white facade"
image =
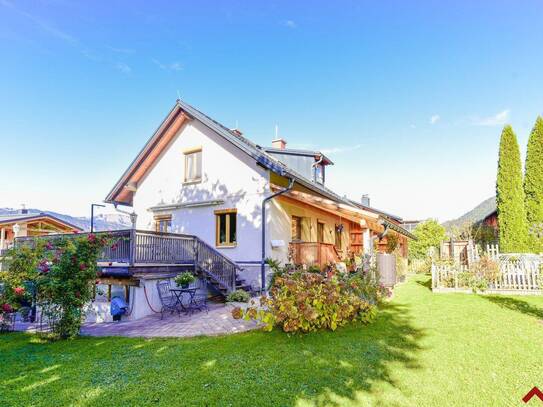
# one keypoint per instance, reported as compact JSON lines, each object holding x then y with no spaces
{"x":228,"y":176}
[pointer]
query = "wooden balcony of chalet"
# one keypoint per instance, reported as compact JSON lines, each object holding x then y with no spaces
{"x":314,"y":253}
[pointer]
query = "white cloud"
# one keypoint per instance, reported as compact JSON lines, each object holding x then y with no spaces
{"x":174,"y":66}
{"x":434,"y":119}
{"x":338,"y":150}
{"x":290,"y":24}
{"x":124,"y":68}
{"x":498,"y":119}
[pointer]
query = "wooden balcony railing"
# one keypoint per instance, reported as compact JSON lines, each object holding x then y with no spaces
{"x":310,"y":253}
{"x":147,"y":248}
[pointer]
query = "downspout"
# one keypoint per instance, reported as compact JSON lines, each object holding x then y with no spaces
{"x":263,"y":259}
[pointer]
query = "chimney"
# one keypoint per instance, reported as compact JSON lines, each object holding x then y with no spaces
{"x":365,"y":200}
{"x":279,"y":143}
{"x":237,"y":131}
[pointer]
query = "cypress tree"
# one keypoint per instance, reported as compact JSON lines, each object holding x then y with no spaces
{"x":533,"y":186}
{"x":513,"y":230}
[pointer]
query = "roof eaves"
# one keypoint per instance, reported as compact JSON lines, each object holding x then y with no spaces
{"x":18,"y":218}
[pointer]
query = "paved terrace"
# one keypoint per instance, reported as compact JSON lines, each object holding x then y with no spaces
{"x":218,"y":321}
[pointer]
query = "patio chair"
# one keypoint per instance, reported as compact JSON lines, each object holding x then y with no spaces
{"x":168,"y":301}
{"x":199,"y":301}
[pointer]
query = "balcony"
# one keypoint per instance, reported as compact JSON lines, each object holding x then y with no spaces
{"x":313,"y":253}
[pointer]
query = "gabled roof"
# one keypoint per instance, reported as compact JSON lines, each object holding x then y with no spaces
{"x":180,"y":114}
{"x":29,"y":217}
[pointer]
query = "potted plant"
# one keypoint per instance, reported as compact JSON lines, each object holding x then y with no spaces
{"x":184,"y":279}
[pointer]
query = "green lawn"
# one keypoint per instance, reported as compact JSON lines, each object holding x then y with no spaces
{"x":424,"y":350}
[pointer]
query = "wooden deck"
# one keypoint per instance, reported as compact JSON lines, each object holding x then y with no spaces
{"x":137,"y":251}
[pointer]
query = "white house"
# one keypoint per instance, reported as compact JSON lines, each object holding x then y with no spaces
{"x":197,"y":177}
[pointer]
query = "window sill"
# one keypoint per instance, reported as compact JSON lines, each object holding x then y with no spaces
{"x":193,"y":181}
{"x":226,"y":246}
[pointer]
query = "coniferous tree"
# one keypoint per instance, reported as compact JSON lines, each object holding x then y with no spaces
{"x":533,"y":186}
{"x":513,"y":230}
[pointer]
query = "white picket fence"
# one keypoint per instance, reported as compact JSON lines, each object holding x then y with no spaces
{"x":518,"y":274}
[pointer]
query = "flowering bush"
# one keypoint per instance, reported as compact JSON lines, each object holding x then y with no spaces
{"x":302,"y":301}
{"x":63,"y":271}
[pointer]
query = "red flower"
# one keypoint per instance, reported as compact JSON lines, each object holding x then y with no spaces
{"x":43,"y":266}
{"x":7,"y":308}
{"x":114,"y":246}
{"x":91,"y":238}
{"x":19,"y":291}
{"x":77,"y":294}
{"x":82,"y":266}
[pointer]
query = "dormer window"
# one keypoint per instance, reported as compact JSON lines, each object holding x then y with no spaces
{"x":319,"y":173}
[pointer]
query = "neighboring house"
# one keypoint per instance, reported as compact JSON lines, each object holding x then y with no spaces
{"x":25,"y":224}
{"x":196,"y":176}
{"x":491,"y":220}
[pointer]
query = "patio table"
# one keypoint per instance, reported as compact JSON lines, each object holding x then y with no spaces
{"x":178,"y":292}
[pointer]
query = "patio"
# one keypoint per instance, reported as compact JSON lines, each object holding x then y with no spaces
{"x":218,"y":321}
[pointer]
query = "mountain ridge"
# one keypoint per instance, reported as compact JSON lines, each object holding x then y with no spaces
{"x":101,"y":221}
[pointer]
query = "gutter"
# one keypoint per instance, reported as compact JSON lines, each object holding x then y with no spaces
{"x":263,"y":258}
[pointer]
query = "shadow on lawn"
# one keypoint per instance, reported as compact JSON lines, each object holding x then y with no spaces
{"x":325,"y":368}
{"x":515,"y":305}
{"x":379,"y":348}
{"x":426,"y":283}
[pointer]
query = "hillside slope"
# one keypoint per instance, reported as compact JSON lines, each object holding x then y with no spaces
{"x":476,"y":214}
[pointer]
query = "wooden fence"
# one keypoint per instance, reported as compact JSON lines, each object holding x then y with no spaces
{"x":520,"y":274}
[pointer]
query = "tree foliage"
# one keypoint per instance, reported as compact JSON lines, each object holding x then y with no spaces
{"x":513,"y":230}
{"x":533,"y":185}
{"x":429,"y":234}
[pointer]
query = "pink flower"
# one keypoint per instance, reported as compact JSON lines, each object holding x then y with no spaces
{"x":114,"y":246}
{"x":82,"y":266}
{"x":77,"y":294}
{"x":19,"y":291}
{"x":91,"y":238}
{"x":43,"y":266}
{"x":49,"y":246}
{"x":7,"y":308}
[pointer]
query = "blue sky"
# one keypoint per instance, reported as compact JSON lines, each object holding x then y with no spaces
{"x":408,"y":100}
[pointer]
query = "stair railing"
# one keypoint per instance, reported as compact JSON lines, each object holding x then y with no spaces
{"x":217,"y":265}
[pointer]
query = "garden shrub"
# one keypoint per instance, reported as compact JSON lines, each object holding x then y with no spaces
{"x":238,"y":296}
{"x":301,"y":301}
{"x":64,"y":272}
